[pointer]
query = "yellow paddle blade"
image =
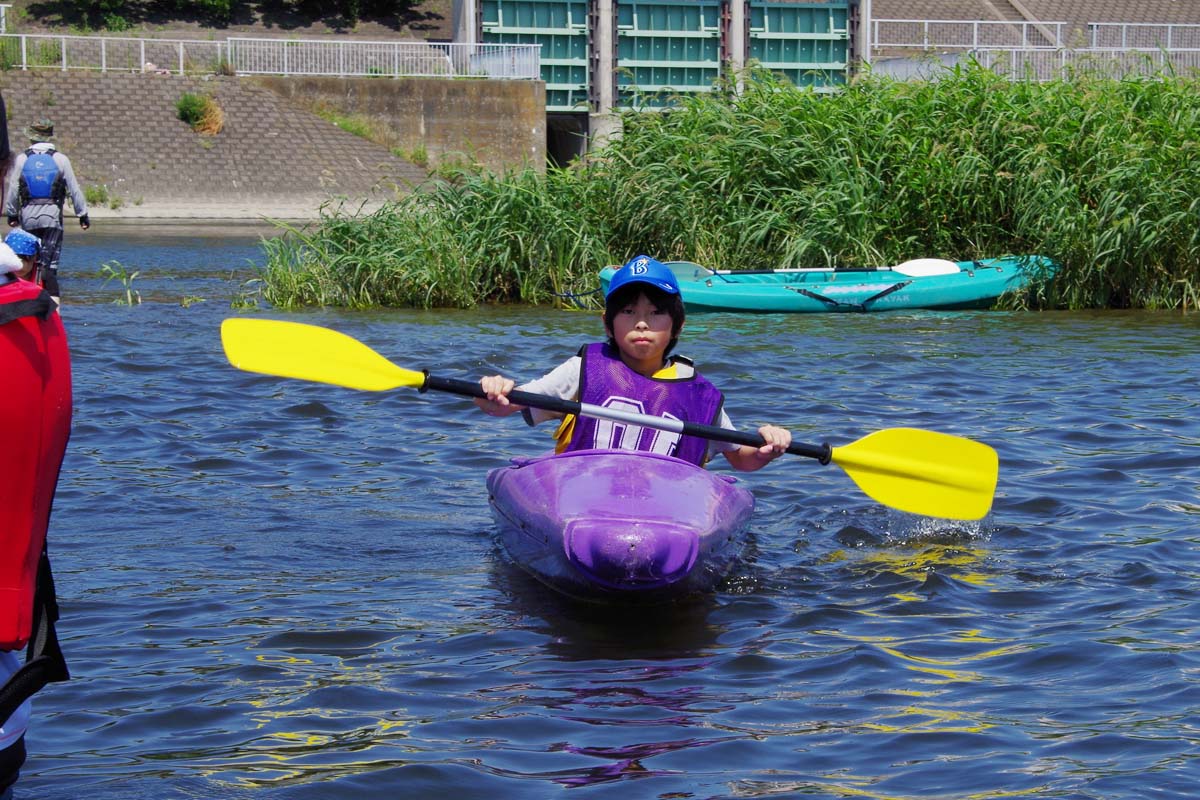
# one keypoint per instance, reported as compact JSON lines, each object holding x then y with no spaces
{"x":923,"y":472}
{"x":310,"y":353}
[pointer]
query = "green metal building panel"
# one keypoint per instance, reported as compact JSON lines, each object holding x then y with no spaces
{"x":666,"y":47}
{"x":686,"y":17}
{"x":535,"y":15}
{"x":807,"y":42}
{"x":671,"y":47}
{"x":561,"y":28}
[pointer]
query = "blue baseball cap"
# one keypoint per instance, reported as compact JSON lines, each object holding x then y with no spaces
{"x":644,"y":269}
{"x":23,"y":243}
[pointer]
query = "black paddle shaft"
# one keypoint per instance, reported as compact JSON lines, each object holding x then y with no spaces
{"x":822,"y":453}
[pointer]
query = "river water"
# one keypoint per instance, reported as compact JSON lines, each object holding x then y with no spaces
{"x":279,"y":589}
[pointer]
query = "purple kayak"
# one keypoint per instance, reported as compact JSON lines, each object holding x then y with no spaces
{"x":620,"y":525}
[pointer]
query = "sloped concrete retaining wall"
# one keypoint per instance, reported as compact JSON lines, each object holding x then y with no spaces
{"x":274,"y":154}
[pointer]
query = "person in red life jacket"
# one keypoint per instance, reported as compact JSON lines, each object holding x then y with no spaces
{"x":634,"y":370}
{"x":14,"y":724}
{"x":25,"y":247}
{"x":36,"y":365}
{"x":41,"y":180}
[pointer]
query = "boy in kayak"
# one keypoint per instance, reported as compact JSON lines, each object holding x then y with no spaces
{"x":634,"y":371}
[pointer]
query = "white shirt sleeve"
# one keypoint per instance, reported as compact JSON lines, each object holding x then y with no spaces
{"x":561,"y":382}
{"x":715,"y":447}
{"x":74,"y":191}
{"x":12,"y":205}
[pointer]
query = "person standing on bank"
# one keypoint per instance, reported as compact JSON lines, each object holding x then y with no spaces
{"x":40,"y":181}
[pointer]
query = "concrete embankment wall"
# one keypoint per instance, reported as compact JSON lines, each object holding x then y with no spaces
{"x":274,"y":157}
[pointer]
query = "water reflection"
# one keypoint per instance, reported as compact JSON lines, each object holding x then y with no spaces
{"x":285,"y":590}
{"x":577,"y":631}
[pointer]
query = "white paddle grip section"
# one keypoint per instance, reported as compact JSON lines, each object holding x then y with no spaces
{"x":633,"y":418}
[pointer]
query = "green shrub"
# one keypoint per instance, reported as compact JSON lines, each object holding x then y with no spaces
{"x":219,"y":10}
{"x":116,"y":23}
{"x":201,"y":112}
{"x":191,"y":108}
{"x":96,"y":194}
{"x":10,"y":53}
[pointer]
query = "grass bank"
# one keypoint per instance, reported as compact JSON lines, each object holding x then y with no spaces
{"x":1101,"y":175}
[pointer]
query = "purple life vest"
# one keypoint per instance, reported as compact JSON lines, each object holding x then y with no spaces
{"x":605,"y":380}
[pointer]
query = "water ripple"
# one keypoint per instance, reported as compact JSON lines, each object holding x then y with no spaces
{"x":272,"y":588}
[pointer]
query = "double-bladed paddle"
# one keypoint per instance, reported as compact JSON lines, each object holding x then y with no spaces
{"x":913,"y":470}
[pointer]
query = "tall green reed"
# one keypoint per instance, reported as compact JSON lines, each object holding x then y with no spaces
{"x":1102,"y":175}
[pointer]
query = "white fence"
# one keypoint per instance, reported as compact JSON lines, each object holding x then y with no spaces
{"x":1036,"y":50}
{"x":339,"y":57}
{"x":1045,"y":64}
{"x":246,"y":56}
{"x":925,"y":34}
{"x":106,"y":53}
{"x":949,"y":35}
{"x":1140,"y":35}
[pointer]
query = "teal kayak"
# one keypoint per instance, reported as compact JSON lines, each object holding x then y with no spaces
{"x":927,"y":283}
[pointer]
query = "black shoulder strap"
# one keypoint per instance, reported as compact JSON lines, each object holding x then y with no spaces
{"x":39,"y":307}
{"x":44,"y":661}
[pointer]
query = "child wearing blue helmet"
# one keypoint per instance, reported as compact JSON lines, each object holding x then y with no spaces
{"x":634,"y":370}
{"x":26,"y":246}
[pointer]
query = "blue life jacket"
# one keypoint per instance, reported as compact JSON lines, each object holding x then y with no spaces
{"x":41,"y":179}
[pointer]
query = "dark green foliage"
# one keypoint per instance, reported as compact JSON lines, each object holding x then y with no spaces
{"x":220,"y":10}
{"x":99,"y":13}
{"x":10,"y":52}
{"x":1102,"y":175}
{"x":121,"y":15}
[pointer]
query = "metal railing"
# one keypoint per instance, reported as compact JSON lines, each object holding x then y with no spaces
{"x":1129,"y":35}
{"x":110,"y":54}
{"x":1037,"y":50}
{"x":1045,"y":65}
{"x":348,"y":57}
{"x":248,"y":56}
{"x":933,"y":34}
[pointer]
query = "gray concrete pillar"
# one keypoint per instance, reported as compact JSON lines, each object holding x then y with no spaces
{"x":465,"y":21}
{"x":865,"y":32}
{"x":736,"y":46}
{"x":603,"y":124}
